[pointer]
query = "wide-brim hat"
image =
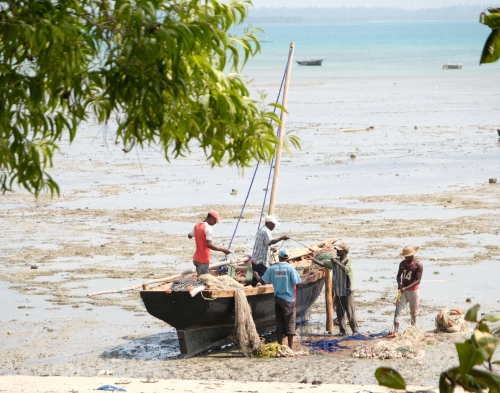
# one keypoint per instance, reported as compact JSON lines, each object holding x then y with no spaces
{"x":408,"y":251}
{"x":341,"y":246}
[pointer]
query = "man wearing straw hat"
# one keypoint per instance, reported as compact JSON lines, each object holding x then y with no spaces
{"x":408,"y":279}
{"x":202,"y":233}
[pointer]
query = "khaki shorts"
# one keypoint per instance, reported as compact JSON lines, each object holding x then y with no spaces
{"x":285,"y":316}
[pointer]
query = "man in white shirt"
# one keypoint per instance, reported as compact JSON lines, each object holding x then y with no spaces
{"x":260,"y":257}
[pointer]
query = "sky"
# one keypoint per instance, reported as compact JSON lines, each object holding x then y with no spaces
{"x":362,"y":3}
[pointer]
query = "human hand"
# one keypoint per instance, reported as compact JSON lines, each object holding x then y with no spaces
{"x":274,"y":249}
{"x":285,"y":237}
{"x":226,"y":252}
{"x":309,"y":257}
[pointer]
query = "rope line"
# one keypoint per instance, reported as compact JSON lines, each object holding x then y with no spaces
{"x":257,"y":166}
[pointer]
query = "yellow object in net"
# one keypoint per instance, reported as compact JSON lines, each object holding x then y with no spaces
{"x":398,"y":296}
{"x":267,"y":351}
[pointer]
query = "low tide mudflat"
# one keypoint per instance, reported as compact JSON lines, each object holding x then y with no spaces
{"x":123,"y":218}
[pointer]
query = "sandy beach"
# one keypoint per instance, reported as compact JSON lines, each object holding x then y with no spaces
{"x":420,"y":177}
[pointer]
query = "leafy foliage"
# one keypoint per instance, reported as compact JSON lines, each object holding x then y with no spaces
{"x":491,"y":50}
{"x":165,"y":70}
{"x":477,"y":351}
{"x":390,"y":378}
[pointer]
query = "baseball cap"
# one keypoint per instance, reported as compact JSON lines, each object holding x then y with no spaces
{"x":215,"y":215}
{"x":341,"y":246}
{"x":283,"y":253}
{"x":272,"y":219}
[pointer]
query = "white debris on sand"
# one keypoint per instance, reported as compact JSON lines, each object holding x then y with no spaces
{"x":410,"y":345}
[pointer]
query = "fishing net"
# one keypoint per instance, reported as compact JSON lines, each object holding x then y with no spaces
{"x":410,"y":345}
{"x":451,"y":321}
{"x":183,"y":284}
{"x":246,"y":336}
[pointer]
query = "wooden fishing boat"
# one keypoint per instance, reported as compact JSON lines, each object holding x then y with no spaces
{"x":312,"y":62}
{"x":206,"y":321}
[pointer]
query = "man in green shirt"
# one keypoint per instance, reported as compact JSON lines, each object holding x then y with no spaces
{"x":343,"y":278}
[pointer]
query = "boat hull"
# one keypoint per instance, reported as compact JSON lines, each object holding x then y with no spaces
{"x":310,"y":62}
{"x":203,"y":324}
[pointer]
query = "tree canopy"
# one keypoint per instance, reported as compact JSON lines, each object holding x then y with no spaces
{"x":491,"y":50}
{"x":166,"y":70}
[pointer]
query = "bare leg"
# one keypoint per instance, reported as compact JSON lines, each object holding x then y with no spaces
{"x":280,"y":338}
{"x":396,"y":326}
{"x":290,"y":340}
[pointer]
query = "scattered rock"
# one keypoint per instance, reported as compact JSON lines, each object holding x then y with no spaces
{"x":493,"y":180}
{"x":34,"y":267}
{"x":468,"y":300}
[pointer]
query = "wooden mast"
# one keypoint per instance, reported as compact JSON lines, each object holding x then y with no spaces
{"x":281,"y":136}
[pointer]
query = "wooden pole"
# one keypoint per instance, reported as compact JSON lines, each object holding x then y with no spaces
{"x":329,"y":300}
{"x":281,"y":136}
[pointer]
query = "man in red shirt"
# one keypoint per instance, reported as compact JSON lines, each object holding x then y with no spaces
{"x":408,"y":279}
{"x":202,"y":233}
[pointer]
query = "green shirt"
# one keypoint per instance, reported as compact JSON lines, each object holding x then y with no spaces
{"x":344,"y":280}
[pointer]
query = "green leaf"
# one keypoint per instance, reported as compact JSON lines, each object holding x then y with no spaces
{"x":471,"y":314}
{"x":444,"y":384}
{"x":486,"y":342}
{"x":492,"y":318}
{"x":487,"y":378}
{"x":491,"y":51}
{"x":390,"y":378}
{"x":469,"y":356}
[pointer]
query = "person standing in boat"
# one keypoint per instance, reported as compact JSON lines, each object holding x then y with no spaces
{"x":343,"y":278}
{"x":202,"y":233}
{"x":408,"y":278}
{"x":284,"y":278}
{"x":261,"y":254}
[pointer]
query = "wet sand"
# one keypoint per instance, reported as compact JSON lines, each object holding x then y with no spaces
{"x":62,"y":384}
{"x":123,"y":219}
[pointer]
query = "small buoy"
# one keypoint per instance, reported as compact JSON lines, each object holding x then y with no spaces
{"x":493,"y":180}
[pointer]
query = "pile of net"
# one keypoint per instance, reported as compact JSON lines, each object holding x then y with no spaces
{"x":410,"y":345}
{"x":246,"y":336}
{"x":275,"y":350}
{"x":451,"y":321}
{"x":181,"y":285}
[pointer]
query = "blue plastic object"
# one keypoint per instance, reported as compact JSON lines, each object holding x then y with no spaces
{"x":111,"y":388}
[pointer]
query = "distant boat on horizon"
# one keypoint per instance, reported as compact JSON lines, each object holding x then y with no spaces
{"x":312,"y":62}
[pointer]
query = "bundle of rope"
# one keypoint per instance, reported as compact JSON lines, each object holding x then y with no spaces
{"x":451,"y":321}
{"x":246,"y":336}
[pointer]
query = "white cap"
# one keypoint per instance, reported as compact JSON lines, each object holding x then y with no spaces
{"x":272,"y":219}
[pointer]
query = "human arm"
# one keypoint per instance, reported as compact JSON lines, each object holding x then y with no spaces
{"x":310,"y":258}
{"x":418,"y":278}
{"x":306,"y":279}
{"x":278,"y":239}
{"x":259,"y":278}
{"x":398,"y":276}
{"x":217,"y":248}
{"x":191,"y":234}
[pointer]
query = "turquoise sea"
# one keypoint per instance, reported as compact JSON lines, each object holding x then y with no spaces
{"x":376,"y":48}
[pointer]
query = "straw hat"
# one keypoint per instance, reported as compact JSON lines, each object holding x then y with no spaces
{"x":408,"y":251}
{"x":341,"y":246}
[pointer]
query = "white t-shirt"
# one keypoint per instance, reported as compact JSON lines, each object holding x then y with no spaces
{"x":208,"y":231}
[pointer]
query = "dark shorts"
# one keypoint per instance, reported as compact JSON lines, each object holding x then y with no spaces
{"x":260,"y":269}
{"x":201,"y":268}
{"x":285,"y":316}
